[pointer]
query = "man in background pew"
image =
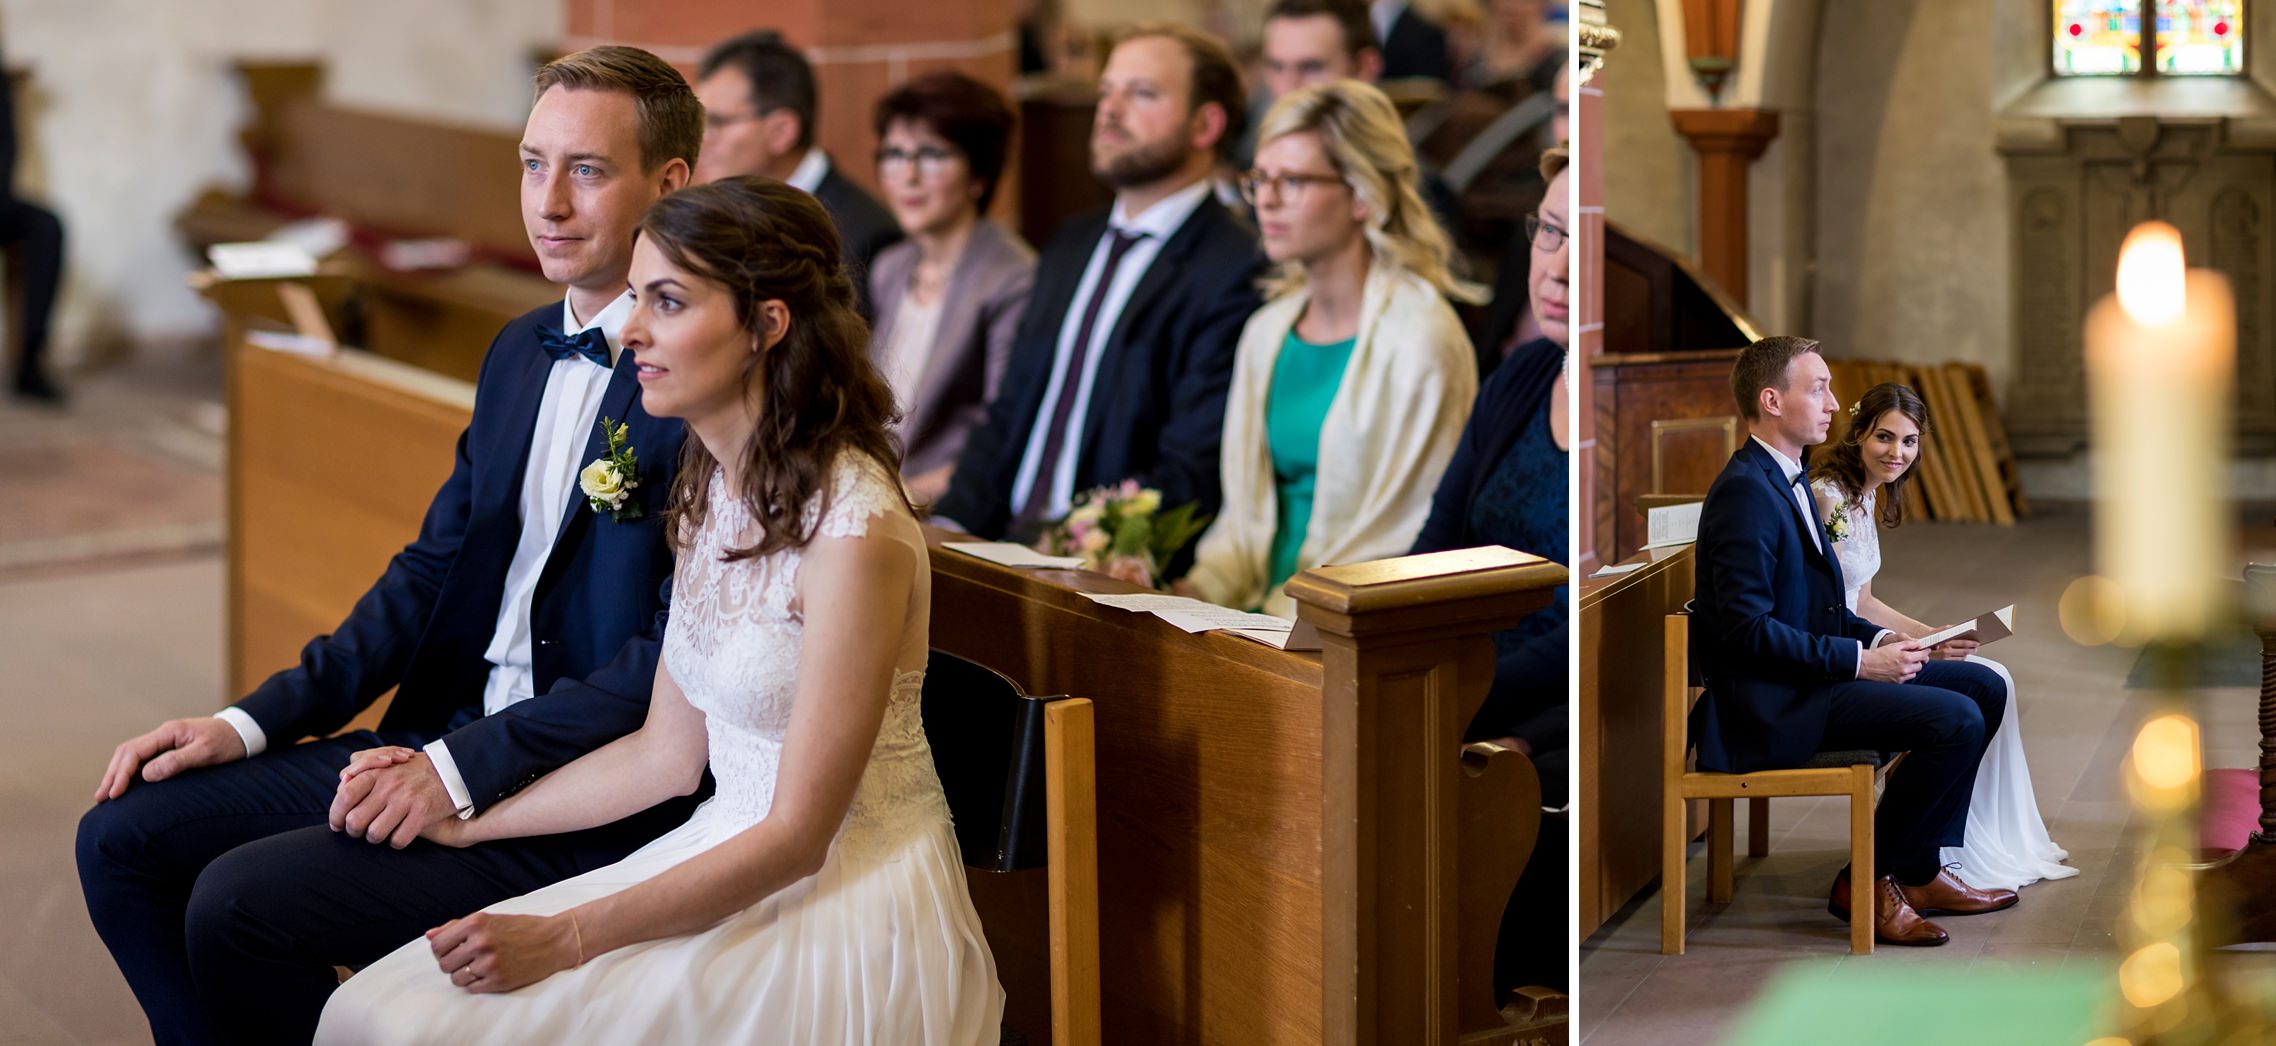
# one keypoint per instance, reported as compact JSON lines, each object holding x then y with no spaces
{"x":226,"y":865}
{"x":1121,"y":363}
{"x":1308,"y":42}
{"x":759,"y":105}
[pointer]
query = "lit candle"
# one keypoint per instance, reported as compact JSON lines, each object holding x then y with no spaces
{"x":2161,"y":366}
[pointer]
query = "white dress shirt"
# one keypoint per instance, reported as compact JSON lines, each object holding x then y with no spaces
{"x":811,"y":169}
{"x":1054,"y":481}
{"x":1791,"y":468}
{"x":568,"y":409}
{"x":1385,"y":13}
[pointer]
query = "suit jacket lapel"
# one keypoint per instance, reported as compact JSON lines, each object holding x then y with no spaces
{"x":1160,"y":274}
{"x":525,"y":392}
{"x":1034,"y":357}
{"x":954,"y":337}
{"x":1821,"y":549}
{"x":616,"y":404}
{"x":889,"y":279}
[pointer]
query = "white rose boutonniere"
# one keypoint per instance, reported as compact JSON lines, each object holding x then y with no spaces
{"x":609,"y":481}
{"x":1837,"y":525}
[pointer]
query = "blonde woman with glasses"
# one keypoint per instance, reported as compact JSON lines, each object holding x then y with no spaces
{"x":1352,"y":383}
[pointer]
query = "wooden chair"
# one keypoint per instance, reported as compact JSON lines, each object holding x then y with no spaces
{"x":1021,"y":783}
{"x":1849,"y":773}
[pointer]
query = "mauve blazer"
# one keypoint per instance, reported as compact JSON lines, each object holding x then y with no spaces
{"x":979,"y":314}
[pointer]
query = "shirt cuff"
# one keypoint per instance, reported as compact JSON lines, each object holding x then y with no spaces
{"x":1878,"y":637}
{"x":447,"y":769}
{"x":248,"y":731}
{"x":1860,"y":673}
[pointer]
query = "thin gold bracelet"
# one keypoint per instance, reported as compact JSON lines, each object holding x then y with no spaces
{"x":580,"y":935}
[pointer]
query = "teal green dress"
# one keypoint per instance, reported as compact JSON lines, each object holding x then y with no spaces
{"x":1304,"y":383}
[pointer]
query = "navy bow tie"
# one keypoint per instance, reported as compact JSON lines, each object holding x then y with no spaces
{"x":1799,"y":477}
{"x":589,"y":343}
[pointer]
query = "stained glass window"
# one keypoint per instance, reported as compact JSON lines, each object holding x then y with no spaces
{"x":2188,"y":38}
{"x":2098,"y":37}
{"x":2200,"y":36}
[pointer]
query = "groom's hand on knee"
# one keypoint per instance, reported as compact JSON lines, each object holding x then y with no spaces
{"x":177,"y":745}
{"x":391,"y":804}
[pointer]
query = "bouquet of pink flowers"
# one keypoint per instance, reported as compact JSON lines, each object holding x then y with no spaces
{"x":1123,"y":531}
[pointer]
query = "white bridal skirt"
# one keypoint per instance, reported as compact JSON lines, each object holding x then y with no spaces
{"x":2007,"y":845}
{"x":873,"y":949}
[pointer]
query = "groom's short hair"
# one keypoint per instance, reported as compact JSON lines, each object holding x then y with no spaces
{"x":1762,"y":365}
{"x":670,"y":119}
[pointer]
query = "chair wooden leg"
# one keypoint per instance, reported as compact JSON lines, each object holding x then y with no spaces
{"x":1070,"y":790}
{"x":1758,"y":826}
{"x":1674,"y":842}
{"x":1861,"y":877}
{"x":1719,"y":834}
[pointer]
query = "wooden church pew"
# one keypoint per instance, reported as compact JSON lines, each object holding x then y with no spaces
{"x":388,"y":177}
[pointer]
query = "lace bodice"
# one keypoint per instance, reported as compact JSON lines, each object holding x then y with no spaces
{"x":1860,"y":550}
{"x":733,"y":646}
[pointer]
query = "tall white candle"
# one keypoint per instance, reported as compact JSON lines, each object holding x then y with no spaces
{"x":2161,"y":370}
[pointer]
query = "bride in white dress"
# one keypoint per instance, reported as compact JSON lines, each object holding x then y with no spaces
{"x":2007,"y":845}
{"x":818,"y":895}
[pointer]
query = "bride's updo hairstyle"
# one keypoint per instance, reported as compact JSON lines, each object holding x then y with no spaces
{"x":1844,"y":462}
{"x":815,"y":392}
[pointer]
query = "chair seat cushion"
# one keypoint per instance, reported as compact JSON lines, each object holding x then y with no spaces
{"x":1828,"y":760}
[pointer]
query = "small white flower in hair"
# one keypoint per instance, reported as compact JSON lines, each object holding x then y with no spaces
{"x":1853,"y":407}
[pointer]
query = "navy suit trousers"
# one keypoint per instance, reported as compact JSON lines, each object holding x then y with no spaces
{"x":1945,"y":718}
{"x":227,"y":899}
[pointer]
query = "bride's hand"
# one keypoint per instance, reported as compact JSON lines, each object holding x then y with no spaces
{"x":375,"y":758}
{"x":449,"y":831}
{"x":486,"y":953}
{"x":1954,"y":649}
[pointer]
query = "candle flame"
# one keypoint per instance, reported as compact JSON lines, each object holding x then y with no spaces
{"x":2152,"y":275}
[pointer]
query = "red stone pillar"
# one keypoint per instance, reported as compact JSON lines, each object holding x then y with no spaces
{"x":860,"y":50}
{"x":1728,"y":141}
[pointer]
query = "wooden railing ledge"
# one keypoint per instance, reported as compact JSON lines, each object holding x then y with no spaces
{"x":1432,"y":591}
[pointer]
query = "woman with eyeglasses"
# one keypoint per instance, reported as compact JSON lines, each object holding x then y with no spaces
{"x":949,"y":297}
{"x":1507,"y":486}
{"x":1351,"y":384}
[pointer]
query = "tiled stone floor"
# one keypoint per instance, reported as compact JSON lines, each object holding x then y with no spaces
{"x":2077,"y":719}
{"x":99,"y":640}
{"x":130,"y":471}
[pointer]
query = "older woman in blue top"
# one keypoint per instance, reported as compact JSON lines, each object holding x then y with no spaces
{"x":1351,"y":384}
{"x":949,"y":297}
{"x":1508,"y":486}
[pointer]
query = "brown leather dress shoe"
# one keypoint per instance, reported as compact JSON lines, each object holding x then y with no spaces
{"x":1947,"y":895}
{"x":1894,"y":920}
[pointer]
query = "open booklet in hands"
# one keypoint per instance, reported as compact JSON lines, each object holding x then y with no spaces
{"x":1983,"y":628}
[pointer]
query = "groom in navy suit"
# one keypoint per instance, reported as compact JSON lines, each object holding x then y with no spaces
{"x":226,"y":865}
{"x":1790,"y":671}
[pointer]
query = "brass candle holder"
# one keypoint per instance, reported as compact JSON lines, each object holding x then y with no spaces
{"x":2168,"y":995}
{"x":2161,"y":378}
